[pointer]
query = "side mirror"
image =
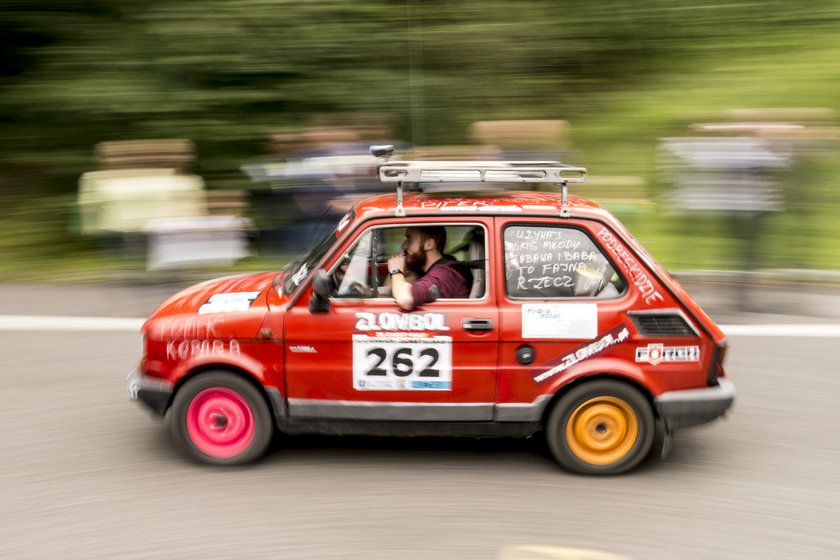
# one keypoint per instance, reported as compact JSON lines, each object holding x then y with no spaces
{"x":321,"y":287}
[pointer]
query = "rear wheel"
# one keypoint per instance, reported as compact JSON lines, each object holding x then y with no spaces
{"x":601,"y":427}
{"x":221,"y":418}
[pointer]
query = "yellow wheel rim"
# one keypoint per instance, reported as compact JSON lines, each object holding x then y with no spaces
{"x":602,"y":430}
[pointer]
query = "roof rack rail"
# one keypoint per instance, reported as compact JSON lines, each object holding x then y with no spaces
{"x":401,"y":172}
{"x":480,"y":172}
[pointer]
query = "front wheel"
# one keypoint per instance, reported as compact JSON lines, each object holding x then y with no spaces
{"x":221,"y":418}
{"x":601,"y":427}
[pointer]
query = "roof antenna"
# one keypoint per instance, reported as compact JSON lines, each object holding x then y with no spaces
{"x":384,"y":153}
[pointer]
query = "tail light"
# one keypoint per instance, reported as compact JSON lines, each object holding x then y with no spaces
{"x":716,"y":368}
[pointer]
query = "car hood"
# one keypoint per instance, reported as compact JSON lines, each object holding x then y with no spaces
{"x":234,"y":306}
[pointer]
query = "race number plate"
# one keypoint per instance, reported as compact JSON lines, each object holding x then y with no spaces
{"x":412,"y":362}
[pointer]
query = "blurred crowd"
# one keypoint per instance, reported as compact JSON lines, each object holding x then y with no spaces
{"x":300,"y":187}
{"x":306,"y":179}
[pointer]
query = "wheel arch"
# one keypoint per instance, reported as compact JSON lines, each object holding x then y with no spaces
{"x":272,"y":397}
{"x":577,"y":381}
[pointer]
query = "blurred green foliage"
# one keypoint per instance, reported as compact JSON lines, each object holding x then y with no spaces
{"x":225,"y":73}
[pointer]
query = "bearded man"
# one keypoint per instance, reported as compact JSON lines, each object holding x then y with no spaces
{"x":440,"y":275}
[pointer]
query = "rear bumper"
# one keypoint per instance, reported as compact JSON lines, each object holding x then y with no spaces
{"x":679,"y":409}
{"x":154,"y":393}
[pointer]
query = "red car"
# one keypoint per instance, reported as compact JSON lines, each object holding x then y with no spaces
{"x":569,"y":328}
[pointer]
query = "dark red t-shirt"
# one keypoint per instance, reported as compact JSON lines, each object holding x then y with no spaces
{"x":446,"y":278}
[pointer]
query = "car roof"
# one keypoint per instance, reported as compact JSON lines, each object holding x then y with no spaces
{"x":524,"y":203}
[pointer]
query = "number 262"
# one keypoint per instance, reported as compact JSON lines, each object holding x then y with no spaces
{"x":403,"y":362}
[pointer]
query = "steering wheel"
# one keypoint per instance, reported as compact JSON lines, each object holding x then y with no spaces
{"x":355,"y":289}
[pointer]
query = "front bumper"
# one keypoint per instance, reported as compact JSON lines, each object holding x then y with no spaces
{"x":679,"y":409}
{"x":154,"y":393}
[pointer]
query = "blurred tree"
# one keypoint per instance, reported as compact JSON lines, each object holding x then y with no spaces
{"x":226,"y":72}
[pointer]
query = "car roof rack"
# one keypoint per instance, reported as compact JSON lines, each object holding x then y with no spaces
{"x":480,"y":172}
{"x":401,"y":172}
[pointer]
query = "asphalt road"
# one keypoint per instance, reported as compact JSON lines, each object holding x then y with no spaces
{"x":87,"y":474}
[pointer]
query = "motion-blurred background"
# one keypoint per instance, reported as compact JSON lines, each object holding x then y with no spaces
{"x":149,"y":142}
{"x":158,"y":135}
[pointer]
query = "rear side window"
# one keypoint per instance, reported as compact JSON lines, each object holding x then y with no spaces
{"x":547,"y":262}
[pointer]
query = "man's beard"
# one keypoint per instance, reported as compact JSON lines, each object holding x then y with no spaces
{"x":416,"y":261}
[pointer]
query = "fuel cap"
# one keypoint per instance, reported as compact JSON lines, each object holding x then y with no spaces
{"x":525,"y":355}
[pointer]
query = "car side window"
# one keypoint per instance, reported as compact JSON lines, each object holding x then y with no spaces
{"x":557,"y":262}
{"x":362,"y":272}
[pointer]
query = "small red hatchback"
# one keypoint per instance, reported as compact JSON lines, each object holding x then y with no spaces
{"x":434,"y":313}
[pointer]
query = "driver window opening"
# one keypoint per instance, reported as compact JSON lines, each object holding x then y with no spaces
{"x":362,"y":272}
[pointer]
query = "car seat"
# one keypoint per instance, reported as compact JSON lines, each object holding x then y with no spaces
{"x":477,"y":262}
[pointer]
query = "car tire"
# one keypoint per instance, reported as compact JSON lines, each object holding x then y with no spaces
{"x":601,"y":427}
{"x":221,"y":418}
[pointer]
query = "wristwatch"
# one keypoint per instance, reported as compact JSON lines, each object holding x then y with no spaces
{"x":395,"y":270}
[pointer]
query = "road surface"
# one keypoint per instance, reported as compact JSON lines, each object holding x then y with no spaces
{"x":86,"y":474}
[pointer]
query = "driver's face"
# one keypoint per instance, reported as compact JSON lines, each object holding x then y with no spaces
{"x":412,"y":247}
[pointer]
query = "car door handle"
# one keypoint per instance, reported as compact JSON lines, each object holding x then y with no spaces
{"x":477,"y":324}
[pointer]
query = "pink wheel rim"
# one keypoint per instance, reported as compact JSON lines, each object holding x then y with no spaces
{"x":220,"y":423}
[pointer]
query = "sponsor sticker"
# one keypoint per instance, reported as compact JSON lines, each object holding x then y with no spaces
{"x":559,"y":320}
{"x":397,"y":322}
{"x":658,"y":353}
{"x":300,"y":275}
{"x":225,"y":303}
{"x":343,"y":223}
{"x":599,"y":345}
{"x":402,"y":352}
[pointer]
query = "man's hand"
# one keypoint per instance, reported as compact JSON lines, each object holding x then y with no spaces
{"x":397,"y":261}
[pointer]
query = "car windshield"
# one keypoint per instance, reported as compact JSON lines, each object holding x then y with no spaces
{"x":297,"y":270}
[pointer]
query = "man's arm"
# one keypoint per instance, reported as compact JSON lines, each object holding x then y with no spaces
{"x":400,"y":287}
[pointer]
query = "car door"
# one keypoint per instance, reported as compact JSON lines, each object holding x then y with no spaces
{"x":559,"y":302}
{"x":366,"y":359}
